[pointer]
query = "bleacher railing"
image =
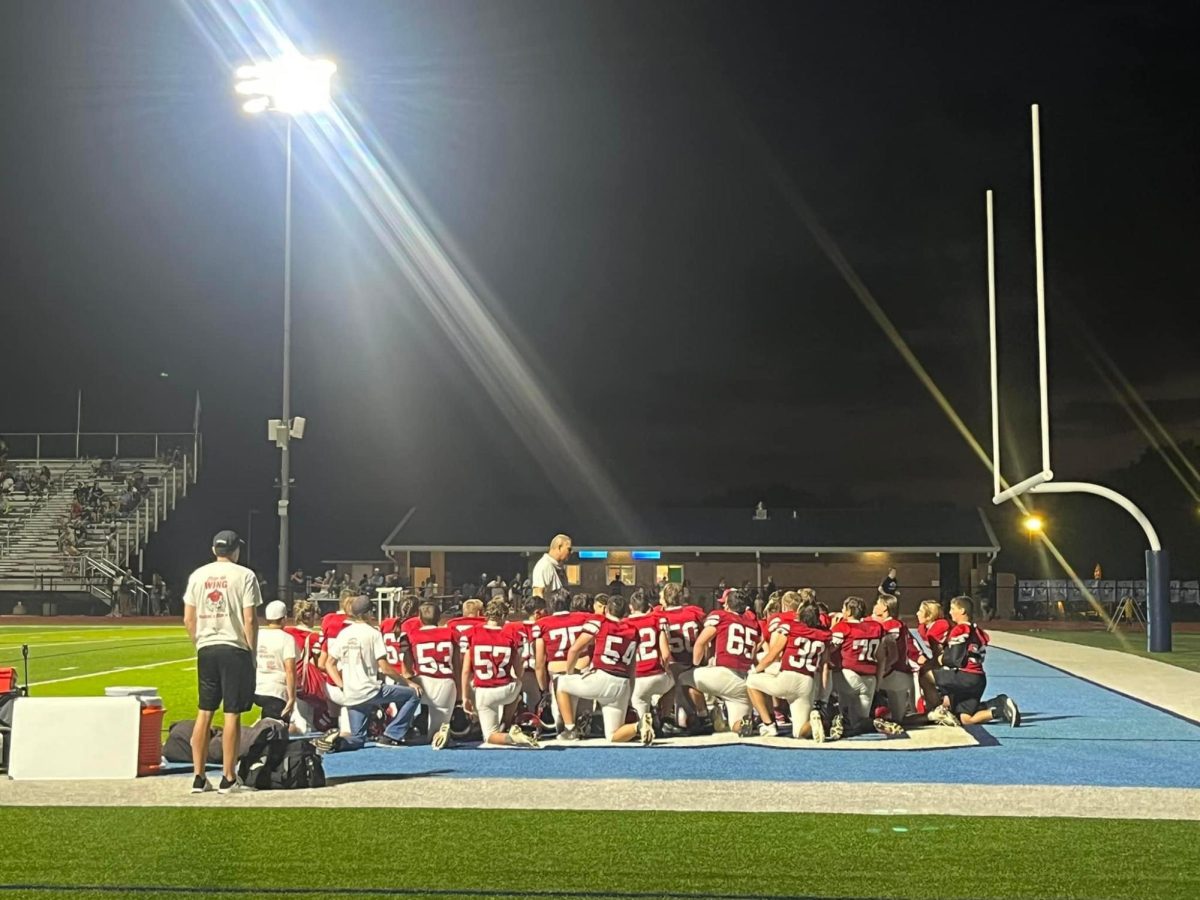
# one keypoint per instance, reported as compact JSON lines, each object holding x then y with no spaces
{"x":1048,"y":598}
{"x":40,"y":445}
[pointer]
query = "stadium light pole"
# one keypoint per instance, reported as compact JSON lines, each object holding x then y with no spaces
{"x":292,"y":85}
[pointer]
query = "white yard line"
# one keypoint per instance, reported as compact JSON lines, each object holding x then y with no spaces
{"x":169,"y":662}
{"x":88,"y":642}
{"x":68,"y":668}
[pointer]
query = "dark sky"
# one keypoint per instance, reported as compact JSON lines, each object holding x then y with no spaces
{"x":618,"y":175}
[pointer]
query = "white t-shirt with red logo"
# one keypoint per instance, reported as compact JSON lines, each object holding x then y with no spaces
{"x":220,"y":591}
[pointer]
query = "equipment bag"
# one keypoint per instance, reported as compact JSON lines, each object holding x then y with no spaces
{"x":272,"y":762}
{"x":178,"y":745}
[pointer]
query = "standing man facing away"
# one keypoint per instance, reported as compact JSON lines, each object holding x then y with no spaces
{"x":548,"y":575}
{"x":220,"y":613}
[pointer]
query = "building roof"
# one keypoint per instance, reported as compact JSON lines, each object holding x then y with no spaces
{"x":503,"y":530}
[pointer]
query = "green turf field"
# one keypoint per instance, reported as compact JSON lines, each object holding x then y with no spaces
{"x":500,"y":853}
{"x":1185,"y":651}
{"x":84,"y":660}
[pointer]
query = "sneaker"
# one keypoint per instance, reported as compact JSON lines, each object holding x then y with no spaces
{"x":520,"y":739}
{"x":887,"y":727}
{"x":837,"y":728}
{"x":325,"y":743}
{"x":1011,"y":712}
{"x":389,"y":743}
{"x":719,"y":724}
{"x":768,"y":730}
{"x":816,"y":722}
{"x":201,"y":784}
{"x":237,"y":786}
{"x":940,"y":715}
{"x":570,"y":734}
{"x":441,"y":737}
{"x":646,"y":731}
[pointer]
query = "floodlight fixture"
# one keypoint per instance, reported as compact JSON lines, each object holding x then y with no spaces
{"x":293,"y":85}
{"x":1033,"y":524}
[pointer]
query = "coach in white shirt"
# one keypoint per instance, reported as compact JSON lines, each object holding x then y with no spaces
{"x":548,"y":575}
{"x":220,"y":612}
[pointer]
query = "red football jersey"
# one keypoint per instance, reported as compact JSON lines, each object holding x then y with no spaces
{"x":560,"y":630}
{"x":332,"y":624}
{"x":683,"y":626}
{"x":530,"y":632}
{"x":649,"y":627}
{"x":826,"y":620}
{"x":976,"y":640}
{"x":899,"y":631}
{"x":460,"y":625}
{"x":935,"y":634}
{"x":431,"y":650}
{"x":616,"y":644}
{"x":490,"y":651}
{"x":772,"y":622}
{"x":805,"y":647}
{"x":305,"y":641}
{"x":736,"y":638}
{"x":854,"y":645}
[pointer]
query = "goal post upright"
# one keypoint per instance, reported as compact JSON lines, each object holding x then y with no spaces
{"x":1158,"y":618}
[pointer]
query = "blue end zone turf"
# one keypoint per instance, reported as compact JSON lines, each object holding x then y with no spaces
{"x":1073,"y":732}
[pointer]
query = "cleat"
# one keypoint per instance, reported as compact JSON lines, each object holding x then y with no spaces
{"x":768,"y":730}
{"x":201,"y":784}
{"x":325,"y":743}
{"x":441,"y":737}
{"x":520,"y":739}
{"x":746,"y":728}
{"x":781,"y":720}
{"x":1011,"y":712}
{"x":570,"y":734}
{"x":719,"y":724}
{"x":583,"y":724}
{"x":887,"y":727}
{"x":389,"y":743}
{"x":837,"y":728}
{"x":646,"y":732}
{"x":816,"y":722}
{"x":940,"y":715}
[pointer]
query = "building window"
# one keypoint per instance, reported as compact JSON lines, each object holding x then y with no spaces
{"x":573,"y":574}
{"x":628,"y":574}
{"x":670,"y":573}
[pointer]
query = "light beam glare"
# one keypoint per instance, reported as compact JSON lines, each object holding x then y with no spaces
{"x":457,"y":299}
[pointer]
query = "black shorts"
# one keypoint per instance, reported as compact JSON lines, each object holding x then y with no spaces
{"x":226,"y":675}
{"x":272,"y":707}
{"x":965,"y":689}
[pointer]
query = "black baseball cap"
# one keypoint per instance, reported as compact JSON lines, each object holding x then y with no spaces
{"x":226,"y":540}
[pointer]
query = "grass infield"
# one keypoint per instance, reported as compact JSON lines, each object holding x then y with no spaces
{"x":177,"y":852}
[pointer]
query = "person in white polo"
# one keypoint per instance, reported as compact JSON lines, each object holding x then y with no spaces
{"x":548,"y":575}
{"x":220,"y":612}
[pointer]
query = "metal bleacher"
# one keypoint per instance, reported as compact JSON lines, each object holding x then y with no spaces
{"x":34,"y":559}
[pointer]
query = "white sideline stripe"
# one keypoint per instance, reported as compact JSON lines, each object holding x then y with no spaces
{"x":87,"y":642}
{"x":1075,"y":801}
{"x":168,"y":662}
{"x":68,"y":668}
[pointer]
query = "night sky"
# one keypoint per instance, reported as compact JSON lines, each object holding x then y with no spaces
{"x":621,"y":178}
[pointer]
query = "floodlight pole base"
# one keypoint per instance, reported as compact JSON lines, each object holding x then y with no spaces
{"x":1158,"y":602}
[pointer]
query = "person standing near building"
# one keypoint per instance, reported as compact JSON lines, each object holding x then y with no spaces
{"x":889,"y":586}
{"x":548,"y":574}
{"x":220,"y":612}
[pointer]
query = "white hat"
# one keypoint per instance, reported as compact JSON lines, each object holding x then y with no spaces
{"x":276,"y":610}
